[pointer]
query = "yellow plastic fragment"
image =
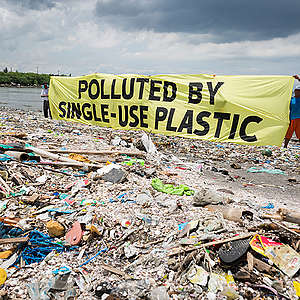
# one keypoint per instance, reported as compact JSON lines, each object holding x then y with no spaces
{"x":6,"y":254}
{"x":297,"y":287}
{"x":3,"y":276}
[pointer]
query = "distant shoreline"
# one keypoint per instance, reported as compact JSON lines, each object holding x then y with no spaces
{"x":18,"y":86}
{"x":10,"y":109}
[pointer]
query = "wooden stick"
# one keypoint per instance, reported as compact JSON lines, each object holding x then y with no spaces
{"x":17,"y":149}
{"x":115,"y":271}
{"x":47,"y":154}
{"x":94,"y":152}
{"x":15,"y":134}
{"x":250,"y":261}
{"x":269,"y":216}
{"x":3,"y":190}
{"x":185,"y":263}
{"x":286,"y":228}
{"x":63,"y":164}
{"x":28,"y":165}
{"x":50,"y":155}
{"x":191,"y":248}
{"x":235,"y":238}
{"x":152,"y":243}
{"x":5,"y":185}
{"x":10,"y":221}
{"x":14,"y":240}
{"x":291,"y":217}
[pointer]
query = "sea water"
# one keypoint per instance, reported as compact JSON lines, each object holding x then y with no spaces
{"x":22,"y":98}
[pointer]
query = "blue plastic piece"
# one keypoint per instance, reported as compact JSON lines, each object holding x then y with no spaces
{"x":269,"y":206}
{"x":38,"y":247}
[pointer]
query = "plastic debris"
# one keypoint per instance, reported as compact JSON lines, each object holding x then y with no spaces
{"x":171,"y":189}
{"x":119,"y":222}
{"x":3,"y":276}
{"x":264,"y":170}
{"x":200,"y":277}
{"x":74,"y":235}
{"x":297,"y":287}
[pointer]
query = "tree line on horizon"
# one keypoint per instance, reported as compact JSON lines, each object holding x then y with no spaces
{"x":24,"y":79}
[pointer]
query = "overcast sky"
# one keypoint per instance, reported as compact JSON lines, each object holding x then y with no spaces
{"x":151,"y":36}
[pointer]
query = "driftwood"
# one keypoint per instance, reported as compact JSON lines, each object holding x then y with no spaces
{"x":289,"y":215}
{"x":250,"y":261}
{"x":102,"y":152}
{"x":152,"y":243}
{"x":115,"y":271}
{"x":191,"y":248}
{"x":35,"y":165}
{"x":284,"y":215}
{"x":286,"y":228}
{"x":183,"y":265}
{"x":5,"y":186}
{"x":18,"y":149}
{"x":53,"y":156}
{"x":15,"y":134}
{"x":14,"y":240}
{"x":235,"y":238}
{"x":64,"y":164}
{"x":261,"y":266}
{"x":10,"y":221}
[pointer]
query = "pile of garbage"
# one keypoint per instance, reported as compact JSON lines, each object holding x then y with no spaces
{"x":94,"y":213}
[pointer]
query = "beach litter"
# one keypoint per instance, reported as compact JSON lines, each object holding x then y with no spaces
{"x":95,"y":213}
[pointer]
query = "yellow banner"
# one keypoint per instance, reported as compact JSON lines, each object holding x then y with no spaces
{"x":251,"y":110}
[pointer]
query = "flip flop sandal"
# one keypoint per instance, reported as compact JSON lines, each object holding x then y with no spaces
{"x":232,"y":251}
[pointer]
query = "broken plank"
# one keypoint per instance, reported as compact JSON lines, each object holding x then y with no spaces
{"x":102,"y":152}
{"x":14,"y":240}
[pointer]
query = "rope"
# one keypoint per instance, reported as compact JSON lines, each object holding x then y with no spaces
{"x":38,"y":247}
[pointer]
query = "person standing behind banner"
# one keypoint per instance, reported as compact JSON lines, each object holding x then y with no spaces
{"x":294,"y":116}
{"x":44,"y":96}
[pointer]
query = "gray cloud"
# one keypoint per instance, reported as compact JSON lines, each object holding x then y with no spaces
{"x":150,"y":36}
{"x":32,"y":4}
{"x":230,"y":20}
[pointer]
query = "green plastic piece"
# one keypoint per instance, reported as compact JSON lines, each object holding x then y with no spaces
{"x":20,"y":193}
{"x":264,"y":170}
{"x":171,"y":189}
{"x":267,"y":152}
{"x":6,"y":146}
{"x":63,"y":196}
{"x":134,"y":161}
